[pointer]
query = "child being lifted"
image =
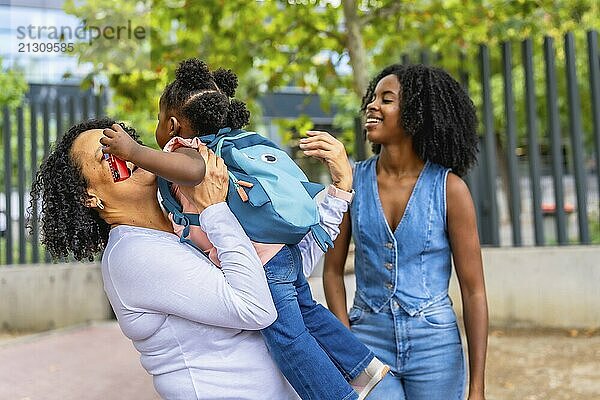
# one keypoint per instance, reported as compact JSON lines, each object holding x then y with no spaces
{"x":318,"y":355}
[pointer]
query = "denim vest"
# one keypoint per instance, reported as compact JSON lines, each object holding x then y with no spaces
{"x":412,"y":264}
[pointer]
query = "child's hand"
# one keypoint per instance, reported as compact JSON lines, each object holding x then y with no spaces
{"x":118,"y":143}
{"x":331,"y":151}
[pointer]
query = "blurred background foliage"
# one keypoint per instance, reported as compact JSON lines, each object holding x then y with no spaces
{"x":14,"y":86}
{"x":328,"y":47}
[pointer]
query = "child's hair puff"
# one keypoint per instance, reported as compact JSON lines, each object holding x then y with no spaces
{"x":226,"y":81}
{"x":205,"y":98}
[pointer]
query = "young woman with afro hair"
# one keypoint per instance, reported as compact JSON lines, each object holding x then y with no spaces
{"x":411,"y":216}
{"x":318,"y":355}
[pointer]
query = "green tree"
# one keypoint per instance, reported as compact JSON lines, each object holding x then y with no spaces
{"x":324,"y":46}
{"x":13,"y":86}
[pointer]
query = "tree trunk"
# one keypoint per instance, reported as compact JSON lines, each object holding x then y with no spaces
{"x":356,"y":46}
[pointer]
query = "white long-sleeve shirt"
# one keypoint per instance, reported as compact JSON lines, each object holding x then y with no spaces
{"x":196,"y":326}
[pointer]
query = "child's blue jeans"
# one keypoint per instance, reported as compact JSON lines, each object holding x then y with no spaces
{"x":317,"y":354}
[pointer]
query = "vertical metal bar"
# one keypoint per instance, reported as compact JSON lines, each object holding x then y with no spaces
{"x":576,"y":138}
{"x":484,"y":197}
{"x":555,"y":139}
{"x":532,"y":142}
{"x":59,"y":118}
{"x":405,"y":59}
{"x":72,"y":111}
{"x":46,"y":117}
{"x":490,"y":146}
{"x":360,"y":152}
{"x":98,"y":106}
{"x":59,"y":126}
{"x":103,"y":103}
{"x":470,"y":183}
{"x":46,"y":127}
{"x":511,"y":145}
{"x":33,"y":218}
{"x":85,"y":106}
{"x":6,"y":131}
{"x":425,"y":57}
{"x":481,"y":176}
{"x":21,"y":183}
{"x":473,"y":178}
{"x":594,"y":66}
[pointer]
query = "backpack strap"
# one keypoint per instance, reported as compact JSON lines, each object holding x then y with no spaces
{"x":179,"y":217}
{"x":173,"y":207}
{"x":168,"y":201}
{"x":321,"y":237}
{"x":236,"y":183}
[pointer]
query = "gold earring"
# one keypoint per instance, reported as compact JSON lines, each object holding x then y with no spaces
{"x":99,"y":204}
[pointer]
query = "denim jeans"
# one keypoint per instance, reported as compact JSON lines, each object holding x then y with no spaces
{"x":424,"y":351}
{"x":316,"y":353}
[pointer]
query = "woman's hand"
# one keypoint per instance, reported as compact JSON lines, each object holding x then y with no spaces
{"x":118,"y":143}
{"x":331,"y":151}
{"x":213,"y":188}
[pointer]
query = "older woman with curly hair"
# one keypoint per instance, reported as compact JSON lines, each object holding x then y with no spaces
{"x":317,"y":354}
{"x":411,"y":215}
{"x":195,"y":325}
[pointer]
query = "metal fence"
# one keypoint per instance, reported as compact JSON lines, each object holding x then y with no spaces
{"x":564,"y":149}
{"x":27,"y":135}
{"x":514,"y":194}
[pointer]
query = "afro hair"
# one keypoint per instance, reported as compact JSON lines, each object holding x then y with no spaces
{"x":436,"y":112}
{"x":204,"y":98}
{"x":67,"y":226}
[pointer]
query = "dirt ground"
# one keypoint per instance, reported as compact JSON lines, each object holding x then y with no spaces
{"x":560,"y":365}
{"x":526,"y":364}
{"x":522,"y":365}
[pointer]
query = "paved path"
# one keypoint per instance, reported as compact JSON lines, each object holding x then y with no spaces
{"x":98,"y":362}
{"x":94,"y":362}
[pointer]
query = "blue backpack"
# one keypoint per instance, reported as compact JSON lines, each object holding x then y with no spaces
{"x":268,"y":193}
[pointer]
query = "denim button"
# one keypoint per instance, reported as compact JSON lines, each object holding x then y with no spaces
{"x":388,"y":265}
{"x":395,"y":304}
{"x":389,"y":285}
{"x":389,"y":245}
